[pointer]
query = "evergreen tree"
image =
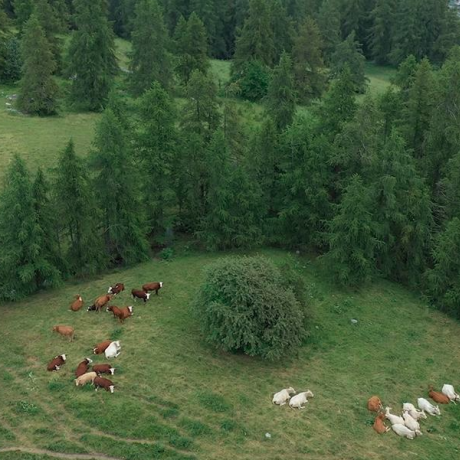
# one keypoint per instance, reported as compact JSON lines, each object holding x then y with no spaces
{"x":381,"y":31}
{"x":252,"y":82}
{"x":156,"y":144}
{"x":118,"y":193}
{"x":10,"y":71}
{"x":309,"y":76}
{"x":405,"y":75}
{"x":256,"y":40}
{"x":352,"y":236}
{"x":23,"y":9}
{"x":450,"y":199}
{"x":79,"y":217}
{"x":349,"y":53}
{"x":191,"y":47}
{"x":61,"y":14}
{"x":329,"y":24}
{"x":449,"y":36}
{"x":150,"y":59}
{"x":201,"y":111}
{"x":24,"y":267}
{"x":174,"y":10}
{"x":91,"y":56}
{"x":281,"y":94}
{"x":443,"y":280}
{"x":4,"y":37}
{"x":390,"y":104}
{"x":38,"y":90}
{"x":282,"y":27}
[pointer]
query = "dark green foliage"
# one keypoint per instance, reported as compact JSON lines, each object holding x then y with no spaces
{"x":79,"y":217}
{"x":38,"y":93}
{"x":118,"y":193}
{"x":150,"y":59}
{"x":381,"y":32}
{"x":283,"y":29}
{"x":329,"y":24}
{"x":443,"y":281}
{"x":349,"y":54}
{"x":51,"y":25}
{"x":11,"y":69}
{"x":244,"y":306}
{"x":23,"y":10}
{"x":91,"y":61}
{"x":390,"y":104}
{"x":355,"y":19}
{"x":25,"y":262}
{"x":4,"y":37}
{"x":450,"y":190}
{"x":253,"y":80}
{"x":191,"y":47}
{"x":309,"y":72}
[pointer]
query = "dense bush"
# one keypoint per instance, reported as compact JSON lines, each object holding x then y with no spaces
{"x":245,"y":306}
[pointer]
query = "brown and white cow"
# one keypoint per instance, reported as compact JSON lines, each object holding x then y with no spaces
{"x":56,"y":363}
{"x":116,"y":289}
{"x":77,"y":303}
{"x":83,"y":367}
{"x":156,"y":286}
{"x":101,"y":382}
{"x":103,"y":369}
{"x":100,"y":302}
{"x":101,"y":347}
{"x":121,"y":313}
{"x":139,"y":294}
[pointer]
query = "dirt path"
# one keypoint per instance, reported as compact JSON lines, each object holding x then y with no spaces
{"x":50,"y":453}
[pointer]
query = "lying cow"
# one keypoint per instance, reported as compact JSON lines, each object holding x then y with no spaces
{"x":101,"y":347}
{"x":116,"y":289}
{"x":101,"y":382}
{"x":85,"y":378}
{"x":103,"y":369}
{"x":56,"y":363}
{"x":83,"y":367}
{"x":113,"y":350}
{"x":121,"y":313}
{"x":139,"y":294}
{"x":77,"y":303}
{"x":152,"y":287}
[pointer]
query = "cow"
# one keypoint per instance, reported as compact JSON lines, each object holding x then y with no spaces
{"x":77,"y":303}
{"x":121,"y":313}
{"x":116,"y":289}
{"x":283,"y":396}
{"x":402,"y":430}
{"x":156,"y":286}
{"x":374,"y":404}
{"x":56,"y":363}
{"x":103,"y":369}
{"x":83,"y":367}
{"x":138,"y":294}
{"x":299,"y":399}
{"x":101,"y":347}
{"x":65,"y":331}
{"x":449,"y":391}
{"x":379,"y":425}
{"x":101,"y":382}
{"x":394,"y":419}
{"x":426,"y":406}
{"x":100,"y":302}
{"x":85,"y":378}
{"x":438,"y":397}
{"x":113,"y":350}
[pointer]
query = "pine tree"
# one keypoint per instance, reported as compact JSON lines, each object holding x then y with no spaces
{"x":174,"y":10}
{"x":352,"y":236}
{"x":450,"y":191}
{"x":405,"y":75}
{"x":449,"y":36}
{"x":38,"y":89}
{"x":118,"y":193}
{"x":24,"y":267}
{"x":349,"y":53}
{"x":150,"y":59}
{"x":91,"y":56}
{"x":308,"y":62}
{"x":281,"y":94}
{"x":61,"y":13}
{"x":381,"y":31}
{"x":256,"y":40}
{"x":390,"y":104}
{"x":23,"y":9}
{"x":329,"y":24}
{"x":79,"y":217}
{"x":191,"y":47}
{"x":201,"y":111}
{"x":156,"y":145}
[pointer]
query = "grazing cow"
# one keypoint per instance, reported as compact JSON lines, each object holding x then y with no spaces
{"x":83,"y":367}
{"x":379,"y":425}
{"x":394,"y":419}
{"x":426,"y":406}
{"x":101,"y":347}
{"x":56,"y":363}
{"x":138,"y":294}
{"x":374,"y":404}
{"x":411,"y":423}
{"x":402,"y":430}
{"x":299,"y":399}
{"x":77,"y":303}
{"x":116,"y":289}
{"x":113,"y":350}
{"x":85,"y":378}
{"x":65,"y":331}
{"x":101,"y":382}
{"x":100,"y":302}
{"x":438,"y":397}
{"x":103,"y":369}
{"x":283,"y":396}
{"x":121,"y":313}
{"x":152,"y":287}
{"x":449,"y":391}
{"x":413,"y":412}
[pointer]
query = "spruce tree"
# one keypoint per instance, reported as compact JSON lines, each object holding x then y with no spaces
{"x":150,"y":58}
{"x":61,"y":14}
{"x":281,"y":94}
{"x":24,"y":266}
{"x":448,"y":37}
{"x":23,"y":9}
{"x":450,"y":191}
{"x":329,"y":24}
{"x":191,"y":47}
{"x":38,"y":89}
{"x":391,"y":105}
{"x":79,"y":217}
{"x":309,"y":75}
{"x":405,"y":75}
{"x":118,"y":193}
{"x":381,"y":31}
{"x":210,"y":11}
{"x":4,"y":37}
{"x":91,"y":61}
{"x":349,"y":53}
{"x":282,"y":27}
{"x":156,"y":145}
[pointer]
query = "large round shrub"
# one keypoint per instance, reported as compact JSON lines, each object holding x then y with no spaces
{"x":245,"y":305}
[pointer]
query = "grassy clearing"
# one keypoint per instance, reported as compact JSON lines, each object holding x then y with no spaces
{"x":379,"y":77}
{"x":179,"y":398}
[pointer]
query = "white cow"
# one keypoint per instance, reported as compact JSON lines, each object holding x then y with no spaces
{"x":413,"y":412}
{"x":402,"y":430}
{"x":298,"y":400}
{"x":283,"y":396}
{"x":411,"y":423}
{"x":85,"y":378}
{"x":113,"y":350}
{"x":426,"y":406}
{"x":449,"y":391}
{"x":394,"y":419}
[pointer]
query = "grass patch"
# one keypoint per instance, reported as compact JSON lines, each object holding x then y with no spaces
{"x":214,"y":402}
{"x":195,"y":428}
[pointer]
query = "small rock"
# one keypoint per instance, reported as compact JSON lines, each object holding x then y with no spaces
{"x":268,"y":435}
{"x":354,"y":321}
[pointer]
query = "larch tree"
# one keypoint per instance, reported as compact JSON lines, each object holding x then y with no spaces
{"x":91,"y":61}
{"x":38,"y":89}
{"x":150,"y":58}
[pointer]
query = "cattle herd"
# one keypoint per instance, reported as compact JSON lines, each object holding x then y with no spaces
{"x":407,"y":424}
{"x":111,"y":349}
